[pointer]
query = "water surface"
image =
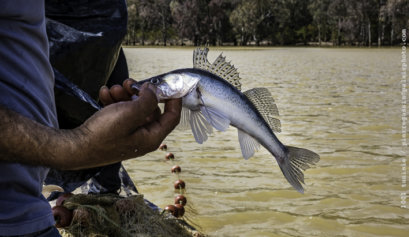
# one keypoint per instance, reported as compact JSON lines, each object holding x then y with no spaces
{"x":344,"y":104}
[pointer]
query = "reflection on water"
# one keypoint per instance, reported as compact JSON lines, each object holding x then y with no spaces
{"x":344,"y":104}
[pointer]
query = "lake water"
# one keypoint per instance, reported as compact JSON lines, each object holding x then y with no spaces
{"x":344,"y":104}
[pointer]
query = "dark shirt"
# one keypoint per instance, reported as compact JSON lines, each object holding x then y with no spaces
{"x":26,"y":86}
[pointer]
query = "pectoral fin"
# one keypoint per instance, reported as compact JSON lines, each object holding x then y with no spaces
{"x":184,"y":119}
{"x":200,"y":127}
{"x":201,"y":122}
{"x":216,"y":118}
{"x":202,"y":118}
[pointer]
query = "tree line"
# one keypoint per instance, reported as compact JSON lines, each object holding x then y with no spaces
{"x":266,"y":22}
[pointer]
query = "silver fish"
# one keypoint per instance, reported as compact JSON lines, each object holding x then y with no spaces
{"x":212,"y":99}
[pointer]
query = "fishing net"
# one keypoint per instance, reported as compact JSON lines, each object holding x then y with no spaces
{"x":112,"y":215}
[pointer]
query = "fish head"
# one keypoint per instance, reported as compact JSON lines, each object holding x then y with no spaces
{"x":172,"y":85}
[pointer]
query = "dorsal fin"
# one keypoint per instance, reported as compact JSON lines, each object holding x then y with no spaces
{"x":200,"y":59}
{"x":219,"y":67}
{"x":264,"y":103}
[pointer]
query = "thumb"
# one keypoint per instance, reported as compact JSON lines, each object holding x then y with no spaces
{"x":138,"y":110}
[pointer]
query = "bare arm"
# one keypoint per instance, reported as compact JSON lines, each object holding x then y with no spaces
{"x":118,"y":132}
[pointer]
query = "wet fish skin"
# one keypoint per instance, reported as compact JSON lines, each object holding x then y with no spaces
{"x":222,"y":105}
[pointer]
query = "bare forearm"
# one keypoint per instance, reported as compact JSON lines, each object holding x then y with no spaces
{"x":26,"y":141}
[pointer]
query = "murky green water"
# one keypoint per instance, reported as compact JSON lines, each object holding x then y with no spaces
{"x":344,"y":104}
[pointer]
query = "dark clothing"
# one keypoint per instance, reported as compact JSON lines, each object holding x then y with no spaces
{"x":49,"y":232}
{"x":85,"y":47}
{"x":26,"y":86}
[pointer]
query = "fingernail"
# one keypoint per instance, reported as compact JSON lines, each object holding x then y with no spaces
{"x":135,"y":88}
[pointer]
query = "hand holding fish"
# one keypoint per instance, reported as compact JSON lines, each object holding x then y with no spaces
{"x":128,"y":128}
{"x":125,"y":128}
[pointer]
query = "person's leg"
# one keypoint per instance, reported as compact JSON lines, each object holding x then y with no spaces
{"x":50,"y":232}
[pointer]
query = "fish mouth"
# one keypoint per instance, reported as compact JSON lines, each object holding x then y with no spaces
{"x":169,"y":86}
{"x":161,"y":92}
{"x":136,"y":87}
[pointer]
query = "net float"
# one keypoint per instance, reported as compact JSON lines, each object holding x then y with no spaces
{"x":176,"y":169}
{"x":170,"y":156}
{"x":62,"y":216}
{"x":61,"y":199}
{"x":172,"y":210}
{"x":179,"y":184}
{"x":163,"y":147}
{"x":180,"y":199}
{"x":180,"y":210}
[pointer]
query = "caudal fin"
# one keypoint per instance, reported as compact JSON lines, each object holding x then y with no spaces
{"x":298,"y":159}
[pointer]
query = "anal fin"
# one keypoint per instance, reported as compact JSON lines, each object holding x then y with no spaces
{"x":248,"y":144}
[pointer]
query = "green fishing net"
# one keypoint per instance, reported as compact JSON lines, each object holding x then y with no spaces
{"x":115,"y":216}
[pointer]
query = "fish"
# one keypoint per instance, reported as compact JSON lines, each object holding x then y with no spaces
{"x":212,"y":98}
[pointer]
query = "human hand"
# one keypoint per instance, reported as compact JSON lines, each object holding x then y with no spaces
{"x":125,"y":92}
{"x":117,"y":93}
{"x":125,"y":128}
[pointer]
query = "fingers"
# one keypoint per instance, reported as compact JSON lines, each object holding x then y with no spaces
{"x":141,"y":118}
{"x":156,"y":131}
{"x":105,"y":96}
{"x":127,"y":84}
{"x":171,"y":116}
{"x":117,"y":93}
{"x":141,"y":109}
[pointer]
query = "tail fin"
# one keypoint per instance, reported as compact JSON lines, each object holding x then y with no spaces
{"x":297,"y":159}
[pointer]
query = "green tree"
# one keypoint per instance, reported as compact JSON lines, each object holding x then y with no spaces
{"x":285,"y":22}
{"x":397,"y":12}
{"x":319,"y":12}
{"x":218,"y":20}
{"x":133,"y":22}
{"x":338,"y":12}
{"x":190,"y":19}
{"x":244,"y":21}
{"x":251,"y":19}
{"x":155,"y":15}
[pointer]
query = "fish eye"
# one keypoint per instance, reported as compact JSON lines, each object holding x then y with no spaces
{"x":155,"y":81}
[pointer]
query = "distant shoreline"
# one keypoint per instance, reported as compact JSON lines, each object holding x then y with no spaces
{"x":265,"y":46}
